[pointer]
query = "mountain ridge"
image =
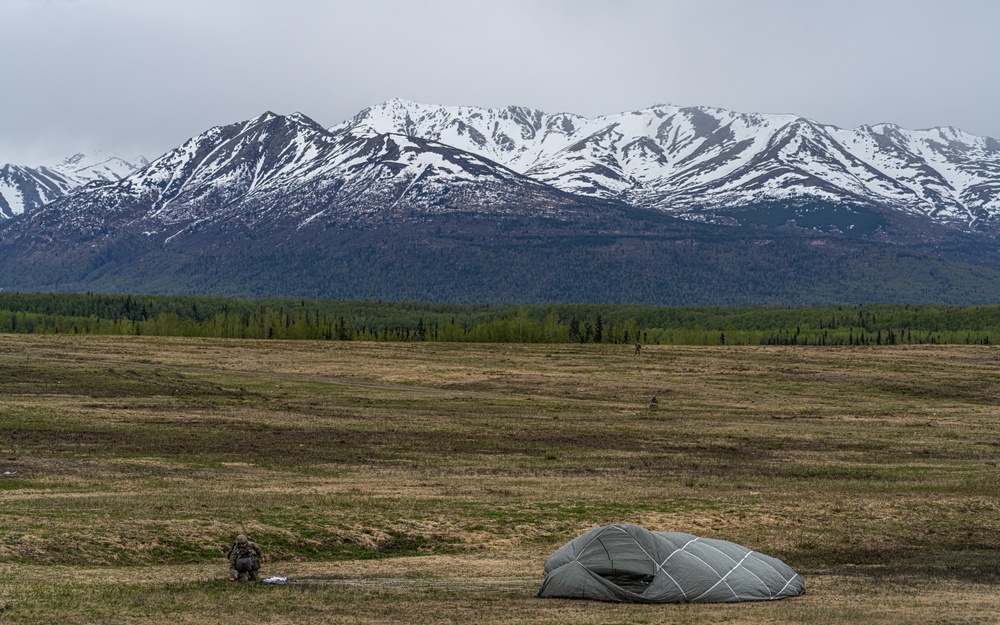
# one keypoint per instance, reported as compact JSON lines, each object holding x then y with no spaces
{"x":278,"y":205}
{"x":24,"y":188}
{"x":694,"y":161}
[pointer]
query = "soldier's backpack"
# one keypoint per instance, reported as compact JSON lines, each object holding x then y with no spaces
{"x":245,"y":562}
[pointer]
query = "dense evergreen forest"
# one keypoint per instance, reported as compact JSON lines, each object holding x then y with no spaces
{"x":565,"y":323}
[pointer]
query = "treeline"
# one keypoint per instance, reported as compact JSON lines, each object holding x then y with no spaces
{"x":192,"y":316}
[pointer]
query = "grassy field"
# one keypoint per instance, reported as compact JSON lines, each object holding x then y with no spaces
{"x":428,"y":483}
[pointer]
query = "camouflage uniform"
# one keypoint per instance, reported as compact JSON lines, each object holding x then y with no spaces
{"x":249,"y":555}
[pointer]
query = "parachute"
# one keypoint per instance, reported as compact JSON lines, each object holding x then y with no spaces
{"x":627,"y":563}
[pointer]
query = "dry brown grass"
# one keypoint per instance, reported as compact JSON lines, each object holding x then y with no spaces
{"x":872,"y":471}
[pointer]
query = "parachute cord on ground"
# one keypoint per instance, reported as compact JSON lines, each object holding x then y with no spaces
{"x":490,"y":584}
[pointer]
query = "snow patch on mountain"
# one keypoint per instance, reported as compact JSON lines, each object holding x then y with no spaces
{"x":23,"y":189}
{"x":290,"y":171}
{"x":693,"y":160}
{"x":701,"y":163}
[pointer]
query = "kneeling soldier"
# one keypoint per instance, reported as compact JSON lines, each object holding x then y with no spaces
{"x":244,"y":560}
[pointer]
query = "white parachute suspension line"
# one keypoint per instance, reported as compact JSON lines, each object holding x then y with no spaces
{"x":738,"y":564}
{"x":707,"y":566}
{"x":790,"y":580}
{"x":659,"y":567}
{"x":722,"y":580}
{"x":768,"y":565}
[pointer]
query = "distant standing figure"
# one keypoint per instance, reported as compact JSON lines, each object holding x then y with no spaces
{"x":653,"y":403}
{"x":638,"y":348}
{"x":244,"y":560}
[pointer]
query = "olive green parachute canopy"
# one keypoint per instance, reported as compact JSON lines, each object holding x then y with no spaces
{"x":631,"y":564}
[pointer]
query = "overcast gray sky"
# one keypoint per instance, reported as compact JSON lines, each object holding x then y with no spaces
{"x":141,"y":76}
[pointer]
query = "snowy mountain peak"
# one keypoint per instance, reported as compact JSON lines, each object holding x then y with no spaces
{"x":264,"y":117}
{"x":701,"y":163}
{"x":73,"y":160}
{"x":411,"y":185}
{"x":23,"y":189}
{"x":86,"y":168}
{"x":290,"y":170}
{"x":697,"y":161}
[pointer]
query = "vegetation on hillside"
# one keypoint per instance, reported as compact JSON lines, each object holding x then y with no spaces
{"x":606,"y":254}
{"x":565,"y":323}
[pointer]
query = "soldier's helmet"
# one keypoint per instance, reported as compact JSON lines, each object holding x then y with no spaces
{"x":241,"y":539}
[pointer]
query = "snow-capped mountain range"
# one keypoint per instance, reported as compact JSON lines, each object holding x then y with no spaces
{"x":698,"y":161}
{"x":498,"y":205}
{"x":282,"y":172}
{"x":26,"y":188}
